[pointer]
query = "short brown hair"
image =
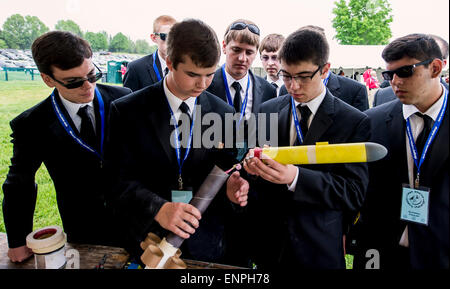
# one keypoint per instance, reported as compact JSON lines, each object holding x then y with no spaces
{"x":61,"y":49}
{"x":271,"y":43}
{"x":193,"y":38}
{"x":162,"y":20}
{"x":242,"y":36}
{"x":419,"y":46}
{"x":305,"y":45}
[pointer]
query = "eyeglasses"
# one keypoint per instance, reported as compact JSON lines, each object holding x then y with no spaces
{"x":241,"y":26}
{"x":79,"y":82}
{"x":287,"y":78}
{"x":404,"y":71}
{"x":163,"y":36}
{"x":267,"y":57}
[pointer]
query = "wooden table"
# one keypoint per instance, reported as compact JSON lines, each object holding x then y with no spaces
{"x":90,"y":256}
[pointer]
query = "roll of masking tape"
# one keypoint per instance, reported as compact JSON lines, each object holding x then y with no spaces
{"x":48,"y":246}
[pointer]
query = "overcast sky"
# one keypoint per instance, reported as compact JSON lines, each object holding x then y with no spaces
{"x":134,"y":17}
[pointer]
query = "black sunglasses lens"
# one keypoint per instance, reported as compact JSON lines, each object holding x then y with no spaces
{"x":75,"y":84}
{"x":238,"y":26}
{"x":163,"y":36}
{"x":253,"y":29}
{"x":405,"y":71}
{"x":387,"y":75}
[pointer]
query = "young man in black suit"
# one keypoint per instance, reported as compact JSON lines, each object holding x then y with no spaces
{"x":66,"y":133}
{"x":240,"y":46}
{"x":346,"y":89}
{"x":405,"y":217}
{"x":387,"y":94}
{"x":151,"y":68}
{"x":299,"y":211}
{"x":149,"y":167}
{"x":268,"y":52}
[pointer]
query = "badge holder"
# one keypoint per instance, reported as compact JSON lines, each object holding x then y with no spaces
{"x":415,"y":204}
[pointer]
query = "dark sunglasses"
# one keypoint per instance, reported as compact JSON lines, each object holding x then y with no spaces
{"x":79,"y":82}
{"x":241,"y":26}
{"x":163,"y":36}
{"x":404,"y":71}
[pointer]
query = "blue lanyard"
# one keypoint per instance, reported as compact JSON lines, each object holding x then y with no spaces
{"x":70,"y":130}
{"x":155,"y":68}
{"x":431,"y":136}
{"x":177,"y":142}
{"x":294,"y":113}
{"x":325,"y":81}
{"x":296,"y":122}
{"x":227,"y":90}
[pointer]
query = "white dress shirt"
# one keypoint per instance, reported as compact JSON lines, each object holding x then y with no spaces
{"x":243,"y":82}
{"x":278,"y":82}
{"x":163,"y":64}
{"x":313,"y":106}
{"x":417,"y":125}
{"x":72,"y":108}
{"x":175,"y":102}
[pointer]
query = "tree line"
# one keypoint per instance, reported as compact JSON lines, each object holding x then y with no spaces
{"x":19,"y":32}
{"x":356,"y":22}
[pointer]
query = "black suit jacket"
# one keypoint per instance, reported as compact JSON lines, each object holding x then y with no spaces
{"x":146,"y":170}
{"x":38,"y":137}
{"x":346,"y":89}
{"x":304,"y":228}
{"x":381,"y":227}
{"x":262,"y":90}
{"x":140,"y":73}
{"x":386,"y":94}
{"x":383,"y":95}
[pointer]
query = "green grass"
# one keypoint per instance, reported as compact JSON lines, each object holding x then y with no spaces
{"x":15,"y":97}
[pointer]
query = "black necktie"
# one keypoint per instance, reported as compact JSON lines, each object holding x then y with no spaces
{"x":87,"y":132}
{"x":237,"y":96}
{"x":185,"y":110}
{"x":422,"y":137}
{"x":275,"y":85}
{"x":304,"y":116}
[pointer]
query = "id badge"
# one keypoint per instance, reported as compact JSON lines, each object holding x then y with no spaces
{"x":181,"y":196}
{"x":415,"y":204}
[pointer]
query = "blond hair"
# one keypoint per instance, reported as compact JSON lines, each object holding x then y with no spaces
{"x":242,"y":36}
{"x":162,"y":20}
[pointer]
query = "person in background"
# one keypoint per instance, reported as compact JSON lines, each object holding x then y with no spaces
{"x":151,"y":68}
{"x":268,"y":52}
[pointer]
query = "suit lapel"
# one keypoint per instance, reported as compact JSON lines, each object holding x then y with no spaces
{"x":160,"y":120}
{"x":150,"y":69}
{"x":219,"y":88}
{"x":396,"y":130}
{"x":257,"y":93}
{"x":284,"y":122}
{"x":439,"y":149}
{"x":333,"y":85}
{"x":321,"y":121}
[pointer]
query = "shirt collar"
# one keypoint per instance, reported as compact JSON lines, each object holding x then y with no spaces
{"x":162,"y":61}
{"x":175,"y":102}
{"x":433,"y":111}
{"x":243,"y":81}
{"x":314,"y":103}
{"x":72,"y":108}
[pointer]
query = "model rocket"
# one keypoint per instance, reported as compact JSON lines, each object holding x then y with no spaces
{"x":324,"y":153}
